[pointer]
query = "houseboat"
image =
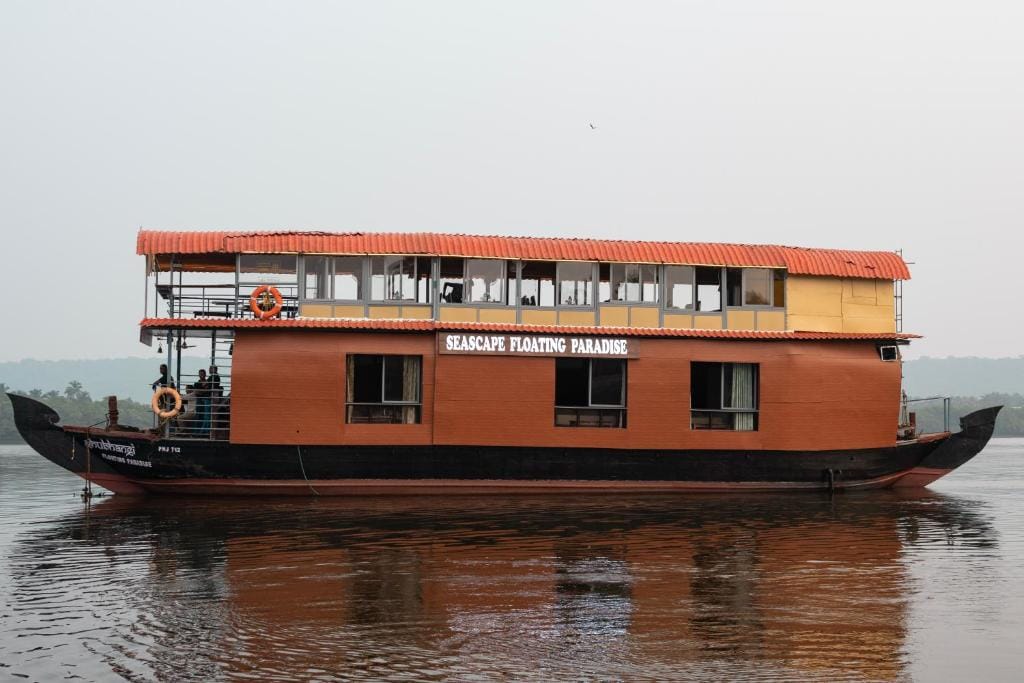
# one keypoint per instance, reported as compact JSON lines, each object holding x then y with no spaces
{"x":351,"y":363}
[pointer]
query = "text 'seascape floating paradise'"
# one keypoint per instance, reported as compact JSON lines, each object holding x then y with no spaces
{"x":345,"y":363}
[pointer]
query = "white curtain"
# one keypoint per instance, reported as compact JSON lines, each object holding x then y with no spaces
{"x":743,"y":395}
{"x":410,"y":387}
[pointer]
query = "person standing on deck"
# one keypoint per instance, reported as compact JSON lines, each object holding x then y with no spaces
{"x":161,"y":381}
{"x":202,"y":392}
{"x":166,"y":402}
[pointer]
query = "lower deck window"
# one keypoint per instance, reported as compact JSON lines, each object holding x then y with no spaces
{"x":590,"y":392}
{"x":724,"y":396}
{"x":382,"y":389}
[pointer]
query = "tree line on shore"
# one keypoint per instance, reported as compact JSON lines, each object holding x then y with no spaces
{"x":75,"y":406}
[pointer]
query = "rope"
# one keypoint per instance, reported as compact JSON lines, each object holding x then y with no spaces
{"x":303,"y":468}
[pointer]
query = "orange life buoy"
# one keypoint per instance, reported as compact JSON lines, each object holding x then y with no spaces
{"x":260,"y":297}
{"x":155,"y":403}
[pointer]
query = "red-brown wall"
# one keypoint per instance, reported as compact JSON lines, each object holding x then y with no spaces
{"x":289,"y":387}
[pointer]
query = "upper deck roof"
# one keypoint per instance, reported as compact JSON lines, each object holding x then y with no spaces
{"x":797,"y":260}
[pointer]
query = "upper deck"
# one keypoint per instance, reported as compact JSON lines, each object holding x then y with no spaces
{"x":524,"y":281}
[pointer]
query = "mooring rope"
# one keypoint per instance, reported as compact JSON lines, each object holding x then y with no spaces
{"x":303,"y":468}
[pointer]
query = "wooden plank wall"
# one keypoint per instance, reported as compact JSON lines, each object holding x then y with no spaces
{"x":289,"y":387}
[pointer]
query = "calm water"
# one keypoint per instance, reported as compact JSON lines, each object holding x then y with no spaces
{"x":872,"y":586}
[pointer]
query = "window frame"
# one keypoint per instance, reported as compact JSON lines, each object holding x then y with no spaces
{"x":594,"y":284}
{"x":620,"y":409}
{"x":330,"y":274}
{"x":384,"y":402}
{"x":755,"y":411}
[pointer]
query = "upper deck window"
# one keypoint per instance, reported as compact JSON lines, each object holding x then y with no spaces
{"x":452,"y":280}
{"x":400,"y":278}
{"x":628,"y":282}
{"x":485,"y":279}
{"x":756,"y":287}
{"x":266,"y":268}
{"x":709,"y":289}
{"x":679,"y":287}
{"x":333,"y":277}
{"x":575,"y":283}
{"x":537,"y":286}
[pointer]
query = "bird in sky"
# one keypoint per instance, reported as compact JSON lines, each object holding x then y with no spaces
{"x":593,"y":127}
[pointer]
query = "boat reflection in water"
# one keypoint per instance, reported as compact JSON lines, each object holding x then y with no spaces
{"x":777,"y":586}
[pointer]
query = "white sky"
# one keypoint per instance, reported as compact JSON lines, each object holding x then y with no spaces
{"x":863,"y":125}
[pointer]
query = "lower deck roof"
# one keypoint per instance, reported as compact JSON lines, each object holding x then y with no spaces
{"x":394,"y":325}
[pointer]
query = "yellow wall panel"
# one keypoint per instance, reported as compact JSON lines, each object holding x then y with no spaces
{"x":383,"y":311}
{"x":539,"y":317}
{"x":497,"y":315}
{"x":417,"y":312}
{"x":771,"y":320}
{"x":868,"y":325}
{"x":815,"y":323}
{"x":315,"y":310}
{"x":677,"y":321}
{"x":349,"y":312}
{"x":643,"y":316}
{"x":460,"y":314}
{"x":614,"y":316}
{"x":866,"y":311}
{"x":576,"y":318}
{"x":814,"y":296}
{"x":740,"y":320}
{"x":707,"y":322}
{"x":864,"y":289}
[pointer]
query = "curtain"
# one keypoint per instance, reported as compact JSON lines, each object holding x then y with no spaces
{"x":410,"y":386}
{"x":743,"y":395}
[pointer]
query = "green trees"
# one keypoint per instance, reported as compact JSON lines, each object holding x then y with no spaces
{"x":75,"y":406}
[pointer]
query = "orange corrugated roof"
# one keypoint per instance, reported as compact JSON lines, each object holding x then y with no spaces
{"x":798,"y":260}
{"x":392,"y":325}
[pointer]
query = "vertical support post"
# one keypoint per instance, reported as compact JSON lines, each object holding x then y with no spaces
{"x":945,"y":413}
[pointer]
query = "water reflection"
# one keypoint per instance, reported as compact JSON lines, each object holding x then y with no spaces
{"x":435,"y":588}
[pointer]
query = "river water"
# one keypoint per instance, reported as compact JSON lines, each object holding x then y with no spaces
{"x":867,"y":586}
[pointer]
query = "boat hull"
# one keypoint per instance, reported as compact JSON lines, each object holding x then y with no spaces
{"x":136,"y":463}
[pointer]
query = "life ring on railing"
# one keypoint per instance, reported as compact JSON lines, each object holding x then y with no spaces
{"x":155,"y":403}
{"x":260,"y":302}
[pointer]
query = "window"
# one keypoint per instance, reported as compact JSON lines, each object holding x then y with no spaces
{"x":333,"y":277}
{"x":318,"y":278}
{"x":348,"y":277}
{"x":575,"y":284}
{"x":537,"y":287}
{"x":590,"y":392}
{"x":724,"y":396}
{"x":400,"y":278}
{"x":511,"y":282}
{"x":779,"y":288}
{"x":630,"y":282}
{"x":485,"y":279}
{"x":679,"y":287}
{"x":709,"y":289}
{"x":757,"y":287}
{"x":382,"y":389}
{"x":266,"y":268}
{"x":451,"y":280}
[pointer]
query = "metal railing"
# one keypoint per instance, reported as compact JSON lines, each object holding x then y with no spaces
{"x":905,"y":414}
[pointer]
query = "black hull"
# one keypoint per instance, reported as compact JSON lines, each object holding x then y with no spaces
{"x":128,"y":463}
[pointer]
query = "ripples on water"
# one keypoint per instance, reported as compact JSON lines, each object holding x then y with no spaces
{"x":870,"y":586}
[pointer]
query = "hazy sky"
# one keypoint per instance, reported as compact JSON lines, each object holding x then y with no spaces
{"x":865,"y":125}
